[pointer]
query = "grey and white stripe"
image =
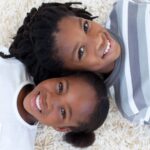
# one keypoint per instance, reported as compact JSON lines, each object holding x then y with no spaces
{"x":131,"y":21}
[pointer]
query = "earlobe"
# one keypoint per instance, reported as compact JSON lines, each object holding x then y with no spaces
{"x":65,"y":129}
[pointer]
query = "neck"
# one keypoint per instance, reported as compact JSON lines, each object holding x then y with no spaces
{"x":23,"y":113}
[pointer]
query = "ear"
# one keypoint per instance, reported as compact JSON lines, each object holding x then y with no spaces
{"x":65,"y":129}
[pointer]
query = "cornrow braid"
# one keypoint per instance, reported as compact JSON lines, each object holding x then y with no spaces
{"x":34,"y":43}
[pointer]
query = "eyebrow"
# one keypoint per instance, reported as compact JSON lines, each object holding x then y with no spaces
{"x":80,"y":23}
{"x":69,"y":110}
{"x":67,"y":85}
{"x":77,"y":44}
{"x":74,"y":51}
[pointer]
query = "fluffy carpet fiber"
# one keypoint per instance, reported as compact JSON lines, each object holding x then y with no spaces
{"x":116,"y":133}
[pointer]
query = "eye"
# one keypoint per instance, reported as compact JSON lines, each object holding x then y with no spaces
{"x":63,"y":112}
{"x":60,"y":87}
{"x":81,"y":52}
{"x":86,"y":26}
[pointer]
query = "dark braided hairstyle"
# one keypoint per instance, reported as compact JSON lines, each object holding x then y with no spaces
{"x":34,"y":43}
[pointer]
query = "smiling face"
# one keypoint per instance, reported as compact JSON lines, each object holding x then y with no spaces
{"x":86,"y":45}
{"x":61,"y":102}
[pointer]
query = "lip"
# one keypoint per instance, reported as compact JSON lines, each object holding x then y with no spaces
{"x":38,"y":102}
{"x":112,"y":44}
{"x":106,"y":46}
{"x":34,"y":104}
{"x":112,"y":39}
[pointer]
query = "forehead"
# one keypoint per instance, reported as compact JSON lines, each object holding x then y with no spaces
{"x":69,"y":32}
{"x":82,"y":99}
{"x":80,"y":82}
{"x":67,"y":23}
{"x":68,"y":38}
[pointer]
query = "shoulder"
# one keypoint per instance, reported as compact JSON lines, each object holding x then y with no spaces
{"x":12,"y":67}
{"x":11,"y":63}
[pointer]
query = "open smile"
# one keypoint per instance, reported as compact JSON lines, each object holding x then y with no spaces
{"x":109,"y":46}
{"x":38,"y":103}
{"x":107,"y":49}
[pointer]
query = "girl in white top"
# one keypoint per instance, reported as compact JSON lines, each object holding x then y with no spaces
{"x":70,"y":104}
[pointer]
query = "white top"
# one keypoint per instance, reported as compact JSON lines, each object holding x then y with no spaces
{"x":15,"y":133}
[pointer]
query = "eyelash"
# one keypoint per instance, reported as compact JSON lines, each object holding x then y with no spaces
{"x":85,"y":26}
{"x":82,"y":49}
{"x":60,"y":87}
{"x":81,"y":52}
{"x":63,"y":113}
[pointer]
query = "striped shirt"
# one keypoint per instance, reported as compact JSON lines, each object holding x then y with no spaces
{"x":131,"y":76}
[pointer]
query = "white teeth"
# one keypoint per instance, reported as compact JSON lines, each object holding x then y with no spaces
{"x":38,"y":102}
{"x":107,"y":48}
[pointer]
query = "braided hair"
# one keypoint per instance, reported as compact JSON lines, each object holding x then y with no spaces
{"x":34,"y":43}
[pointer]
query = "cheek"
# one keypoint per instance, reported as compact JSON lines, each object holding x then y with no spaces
{"x":92,"y":63}
{"x":51,"y":119}
{"x":27,"y":103}
{"x":118,"y":50}
{"x":99,"y":27}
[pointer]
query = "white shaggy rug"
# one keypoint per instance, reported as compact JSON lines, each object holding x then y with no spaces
{"x":116,"y":133}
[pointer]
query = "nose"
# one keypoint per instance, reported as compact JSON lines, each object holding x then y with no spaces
{"x":53,"y":101}
{"x":95,"y":42}
{"x":99,"y":41}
